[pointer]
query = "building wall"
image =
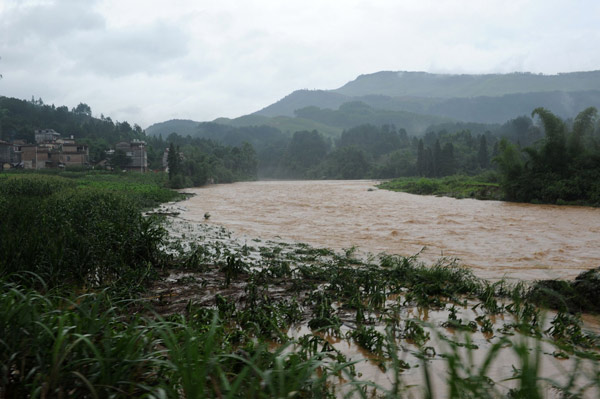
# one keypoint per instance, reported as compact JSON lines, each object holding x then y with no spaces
{"x":36,"y":157}
{"x":136,"y":152}
{"x":74,"y":159}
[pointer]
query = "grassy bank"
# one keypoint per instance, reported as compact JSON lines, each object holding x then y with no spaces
{"x":82,"y":229}
{"x":98,"y":301}
{"x":478,"y":187}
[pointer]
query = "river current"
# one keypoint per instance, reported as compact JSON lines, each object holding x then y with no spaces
{"x":495,"y":239}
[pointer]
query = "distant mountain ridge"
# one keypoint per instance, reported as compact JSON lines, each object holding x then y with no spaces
{"x":471,"y":98}
{"x":423,"y":84}
{"x":414,"y":100}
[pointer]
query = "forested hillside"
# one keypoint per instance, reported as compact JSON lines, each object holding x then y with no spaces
{"x":482,"y":109}
{"x":202,"y":160}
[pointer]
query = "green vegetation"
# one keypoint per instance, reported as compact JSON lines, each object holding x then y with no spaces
{"x":580,"y":295}
{"x":195,"y":162}
{"x":563,"y":168}
{"x":96,"y":301}
{"x":82,"y":230}
{"x":478,"y":187}
{"x":20,"y":119}
{"x":364,"y":151}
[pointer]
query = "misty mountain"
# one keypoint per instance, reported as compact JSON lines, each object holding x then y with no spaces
{"x":422,"y":84}
{"x":355,"y":113}
{"x":182,"y":127}
{"x":477,"y":98}
{"x":414,"y":101}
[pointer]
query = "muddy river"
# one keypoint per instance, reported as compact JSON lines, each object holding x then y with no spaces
{"x":493,"y":238}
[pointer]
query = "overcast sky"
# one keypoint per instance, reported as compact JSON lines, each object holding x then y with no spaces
{"x":147,"y":61}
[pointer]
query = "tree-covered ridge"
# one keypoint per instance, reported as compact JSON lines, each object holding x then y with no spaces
{"x":19,"y":119}
{"x":355,"y":113}
{"x":562,"y":167}
{"x":181,"y":126}
{"x":481,"y":109}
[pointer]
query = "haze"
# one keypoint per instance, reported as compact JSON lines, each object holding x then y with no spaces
{"x":149,"y":61}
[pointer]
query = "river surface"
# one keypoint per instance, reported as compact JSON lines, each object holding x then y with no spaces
{"x":495,"y":239}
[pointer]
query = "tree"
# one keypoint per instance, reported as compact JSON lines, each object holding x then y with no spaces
{"x":583,"y":126}
{"x":306,"y":150}
{"x":553,"y":154}
{"x":511,"y":167}
{"x":437,"y":158}
{"x":421,"y":161}
{"x":482,"y":155}
{"x":173,"y":161}
{"x":447,"y":163}
{"x":83,"y":109}
{"x":349,"y":163}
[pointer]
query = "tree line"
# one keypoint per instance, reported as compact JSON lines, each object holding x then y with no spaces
{"x":563,"y":167}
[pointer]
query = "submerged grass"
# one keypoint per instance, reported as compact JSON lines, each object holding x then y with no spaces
{"x":483,"y":187}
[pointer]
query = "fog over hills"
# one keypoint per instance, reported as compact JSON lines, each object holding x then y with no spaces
{"x":415,"y":100}
{"x":423,"y":84}
{"x":471,"y":98}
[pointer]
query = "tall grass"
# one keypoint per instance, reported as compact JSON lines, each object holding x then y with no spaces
{"x":89,"y":348}
{"x":77,"y":235}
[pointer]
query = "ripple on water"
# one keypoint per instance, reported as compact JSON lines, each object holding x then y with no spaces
{"x":490,"y":236}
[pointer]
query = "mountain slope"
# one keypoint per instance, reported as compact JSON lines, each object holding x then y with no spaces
{"x":472,"y":98}
{"x":422,"y":84}
{"x":304,"y":98}
{"x":179,"y":126}
{"x":416,"y":100}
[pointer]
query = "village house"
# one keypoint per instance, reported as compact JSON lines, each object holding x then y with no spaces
{"x":136,"y":153}
{"x":51,"y":151}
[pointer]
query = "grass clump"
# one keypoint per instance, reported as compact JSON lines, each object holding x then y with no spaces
{"x":483,"y":187}
{"x":579,"y":295}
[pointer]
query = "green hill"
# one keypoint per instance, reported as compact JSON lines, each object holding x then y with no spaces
{"x":285,"y":124}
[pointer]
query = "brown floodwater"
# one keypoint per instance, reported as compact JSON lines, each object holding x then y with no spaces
{"x":493,"y":238}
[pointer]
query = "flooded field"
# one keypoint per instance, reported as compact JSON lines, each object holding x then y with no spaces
{"x":495,"y":239}
{"x":315,"y":291}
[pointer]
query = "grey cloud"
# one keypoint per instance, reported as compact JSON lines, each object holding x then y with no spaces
{"x":48,"y":21}
{"x":116,"y":53}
